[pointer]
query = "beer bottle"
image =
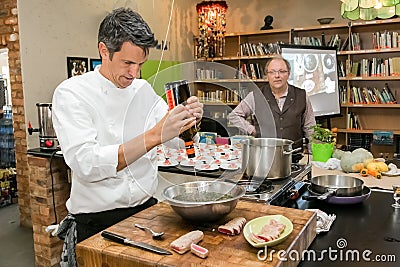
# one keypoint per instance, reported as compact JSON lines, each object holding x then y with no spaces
{"x":177,"y":93}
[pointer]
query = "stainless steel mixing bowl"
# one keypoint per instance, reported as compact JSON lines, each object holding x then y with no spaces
{"x":204,"y":210}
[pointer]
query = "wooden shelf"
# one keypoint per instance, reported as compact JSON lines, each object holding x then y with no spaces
{"x":371,"y":105}
{"x":324,"y":26}
{"x":370,"y":131}
{"x":375,"y":22}
{"x":241,"y":58}
{"x":377,"y":78}
{"x":216,"y":81}
{"x":236,"y":34}
{"x":370,"y":51}
{"x":219,"y":103}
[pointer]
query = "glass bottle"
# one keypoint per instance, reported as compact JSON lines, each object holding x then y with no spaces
{"x":177,"y":93}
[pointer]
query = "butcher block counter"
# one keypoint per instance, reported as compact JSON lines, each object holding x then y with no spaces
{"x":224,"y":250}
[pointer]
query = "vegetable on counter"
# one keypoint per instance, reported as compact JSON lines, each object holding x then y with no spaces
{"x":354,"y":161}
{"x":374,"y":168}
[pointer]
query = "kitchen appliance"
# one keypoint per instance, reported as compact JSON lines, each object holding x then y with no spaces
{"x":277,"y":191}
{"x":267,"y":157}
{"x":47,"y":136}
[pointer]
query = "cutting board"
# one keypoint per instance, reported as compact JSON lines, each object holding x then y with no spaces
{"x":224,"y":250}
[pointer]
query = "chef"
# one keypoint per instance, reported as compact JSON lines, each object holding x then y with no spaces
{"x":108,"y":123}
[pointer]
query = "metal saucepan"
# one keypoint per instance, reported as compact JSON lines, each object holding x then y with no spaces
{"x":366,"y":192}
{"x":338,"y":185}
{"x":267,"y":157}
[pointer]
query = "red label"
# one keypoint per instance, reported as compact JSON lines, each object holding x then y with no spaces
{"x":170,"y":99}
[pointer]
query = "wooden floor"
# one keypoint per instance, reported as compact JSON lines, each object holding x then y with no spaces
{"x":16,"y":242}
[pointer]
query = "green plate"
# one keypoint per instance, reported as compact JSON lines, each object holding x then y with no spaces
{"x":254,"y":226}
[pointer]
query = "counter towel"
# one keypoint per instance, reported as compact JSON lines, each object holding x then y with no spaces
{"x":331,"y":164}
{"x":67,"y":232}
{"x":324,"y":221}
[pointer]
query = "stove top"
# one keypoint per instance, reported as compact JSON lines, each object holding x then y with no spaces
{"x":276,"y":191}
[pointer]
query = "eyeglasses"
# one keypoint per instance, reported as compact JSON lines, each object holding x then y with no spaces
{"x":274,"y":72}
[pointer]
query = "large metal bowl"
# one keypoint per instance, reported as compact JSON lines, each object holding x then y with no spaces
{"x":204,"y":210}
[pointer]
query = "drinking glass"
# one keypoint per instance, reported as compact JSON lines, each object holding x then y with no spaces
{"x":396,"y":196}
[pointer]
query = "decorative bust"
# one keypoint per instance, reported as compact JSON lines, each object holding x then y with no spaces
{"x":267,"y":23}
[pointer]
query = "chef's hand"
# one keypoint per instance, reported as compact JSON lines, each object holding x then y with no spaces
{"x":175,"y":122}
{"x":194,"y":107}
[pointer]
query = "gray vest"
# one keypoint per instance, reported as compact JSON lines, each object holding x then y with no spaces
{"x":288,"y":122}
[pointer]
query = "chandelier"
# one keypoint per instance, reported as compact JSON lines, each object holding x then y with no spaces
{"x":370,"y":9}
{"x":212,"y":22}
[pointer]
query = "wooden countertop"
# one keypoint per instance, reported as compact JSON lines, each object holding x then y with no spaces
{"x":224,"y":250}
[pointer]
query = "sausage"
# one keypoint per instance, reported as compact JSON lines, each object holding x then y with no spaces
{"x":182,"y":244}
{"x":199,"y":251}
{"x":233,"y":227}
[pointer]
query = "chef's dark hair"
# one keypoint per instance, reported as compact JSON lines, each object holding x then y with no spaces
{"x":125,"y":25}
{"x":277,"y":57}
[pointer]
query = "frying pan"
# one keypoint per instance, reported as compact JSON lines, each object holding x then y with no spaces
{"x":338,"y":185}
{"x":366,"y":192}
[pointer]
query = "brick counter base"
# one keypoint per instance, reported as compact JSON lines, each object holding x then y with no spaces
{"x":47,"y":248}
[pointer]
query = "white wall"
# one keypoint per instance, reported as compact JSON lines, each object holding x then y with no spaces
{"x":249,"y":15}
{"x":52,"y":30}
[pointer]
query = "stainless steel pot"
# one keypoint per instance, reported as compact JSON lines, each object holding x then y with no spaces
{"x":45,"y":120}
{"x":47,"y":136}
{"x":267,"y":157}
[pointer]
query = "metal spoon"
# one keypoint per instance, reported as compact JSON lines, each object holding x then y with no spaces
{"x":154,"y":234}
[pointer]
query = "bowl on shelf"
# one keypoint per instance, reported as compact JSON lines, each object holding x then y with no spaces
{"x":203,"y":201}
{"x":325,"y":20}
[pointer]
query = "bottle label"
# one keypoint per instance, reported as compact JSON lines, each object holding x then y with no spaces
{"x":190,"y":149}
{"x":170,"y":98}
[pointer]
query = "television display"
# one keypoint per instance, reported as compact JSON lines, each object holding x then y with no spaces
{"x":314,"y":69}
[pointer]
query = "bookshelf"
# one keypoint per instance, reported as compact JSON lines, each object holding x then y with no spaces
{"x":378,"y":70}
{"x":357,"y":42}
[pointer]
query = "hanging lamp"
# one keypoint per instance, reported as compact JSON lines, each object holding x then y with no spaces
{"x":212,"y":22}
{"x":370,"y":9}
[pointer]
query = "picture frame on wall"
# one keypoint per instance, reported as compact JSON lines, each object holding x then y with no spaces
{"x":77,"y":66}
{"x":94,"y":62}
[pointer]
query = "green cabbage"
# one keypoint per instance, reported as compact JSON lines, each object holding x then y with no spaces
{"x":360,"y":155}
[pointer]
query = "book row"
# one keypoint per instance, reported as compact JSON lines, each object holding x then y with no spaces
{"x":260,"y":49}
{"x":366,"y":95}
{"x":373,"y":67}
{"x":380,"y":40}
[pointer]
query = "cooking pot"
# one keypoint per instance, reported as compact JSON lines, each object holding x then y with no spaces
{"x":267,"y":157}
{"x":337,"y":185}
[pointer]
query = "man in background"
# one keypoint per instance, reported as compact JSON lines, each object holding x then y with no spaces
{"x":290,"y":106}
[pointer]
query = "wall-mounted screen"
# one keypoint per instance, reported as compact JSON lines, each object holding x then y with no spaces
{"x":314,"y":69}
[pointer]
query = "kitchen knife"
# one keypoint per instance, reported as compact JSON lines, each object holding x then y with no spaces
{"x":124,"y":240}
